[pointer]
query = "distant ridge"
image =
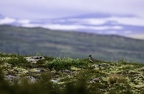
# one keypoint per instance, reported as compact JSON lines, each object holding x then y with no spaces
{"x":59,"y":43}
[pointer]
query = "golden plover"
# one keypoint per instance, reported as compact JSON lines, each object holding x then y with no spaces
{"x":91,"y":58}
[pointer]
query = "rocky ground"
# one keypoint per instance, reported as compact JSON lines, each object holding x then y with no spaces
{"x":99,"y":77}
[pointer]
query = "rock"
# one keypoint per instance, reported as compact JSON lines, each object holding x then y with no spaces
{"x":67,"y":71}
{"x":34,"y":59}
{"x":11,"y":78}
{"x":31,"y":79}
{"x":54,"y":80}
{"x":95,"y":80}
{"x":38,"y":57}
{"x":95,"y":65}
{"x":31,"y":60}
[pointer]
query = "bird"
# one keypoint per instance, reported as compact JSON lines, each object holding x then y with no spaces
{"x":91,"y":58}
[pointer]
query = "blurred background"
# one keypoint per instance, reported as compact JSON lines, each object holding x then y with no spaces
{"x":108,"y":29}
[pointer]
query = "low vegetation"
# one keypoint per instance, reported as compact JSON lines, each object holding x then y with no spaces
{"x":69,"y":76}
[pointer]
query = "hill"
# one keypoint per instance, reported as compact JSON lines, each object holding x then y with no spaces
{"x":30,"y":41}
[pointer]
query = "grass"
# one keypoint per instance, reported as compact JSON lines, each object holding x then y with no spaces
{"x":55,"y":75}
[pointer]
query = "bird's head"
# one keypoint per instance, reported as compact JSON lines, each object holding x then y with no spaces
{"x":90,"y":55}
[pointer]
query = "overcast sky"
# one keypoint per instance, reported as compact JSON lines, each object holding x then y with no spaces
{"x":63,"y":8}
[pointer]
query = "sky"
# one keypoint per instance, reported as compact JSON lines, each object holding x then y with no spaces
{"x":33,"y":9}
{"x":126,"y":16}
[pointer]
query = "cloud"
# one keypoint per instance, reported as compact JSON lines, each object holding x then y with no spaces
{"x":135,"y":21}
{"x":93,"y":21}
{"x":114,"y":20}
{"x":104,"y":27}
{"x":128,"y":20}
{"x":73,"y":27}
{"x":7,"y":20}
{"x":62,"y":27}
